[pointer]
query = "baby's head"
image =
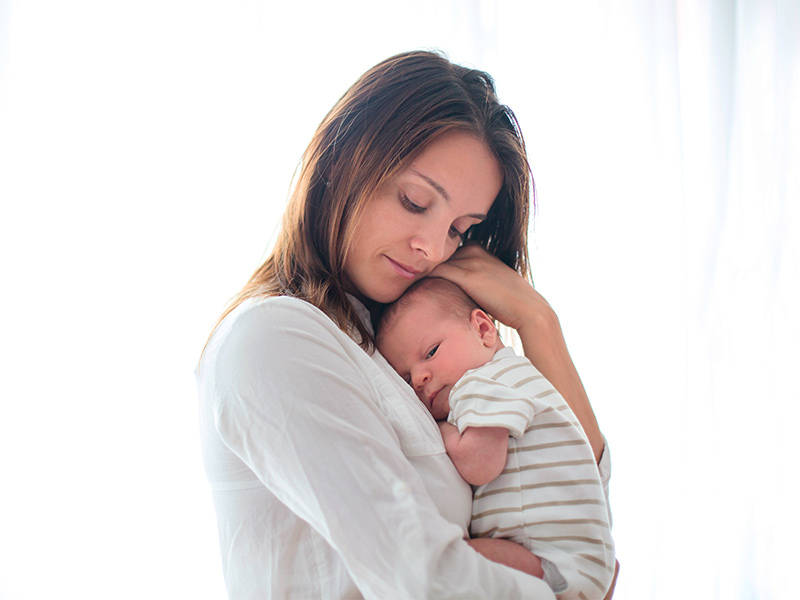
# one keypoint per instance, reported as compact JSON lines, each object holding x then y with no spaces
{"x":432,"y":335}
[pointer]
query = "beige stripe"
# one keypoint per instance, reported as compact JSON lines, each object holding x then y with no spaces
{"x":502,"y":372}
{"x":550,"y":426}
{"x":551,"y":503}
{"x":494,"y":511}
{"x":497,"y":491}
{"x":554,"y":503}
{"x":593,"y":580}
{"x":581,"y":596}
{"x":547,"y":445}
{"x":571,"y":522}
{"x":596,"y":561}
{"x":522,"y":382}
{"x":494,"y":531}
{"x":487,"y":533}
{"x":495,"y":399}
{"x":470,"y":411}
{"x":560,"y":463}
{"x":571,"y":538}
{"x":484,"y":424}
{"x":565,"y":483}
{"x":580,"y":502}
{"x":561,"y":407}
{"x":499,"y":511}
{"x":546,"y":393}
{"x":532,"y":486}
{"x":503,"y":530}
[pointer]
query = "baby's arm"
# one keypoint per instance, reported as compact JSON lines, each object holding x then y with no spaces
{"x":479,"y":453}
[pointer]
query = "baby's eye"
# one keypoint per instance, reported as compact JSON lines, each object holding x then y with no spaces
{"x":432,"y":351}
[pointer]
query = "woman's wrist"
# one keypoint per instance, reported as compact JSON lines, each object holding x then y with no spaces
{"x":538,"y":325}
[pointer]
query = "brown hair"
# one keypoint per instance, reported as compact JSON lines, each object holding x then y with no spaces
{"x":372,"y":132}
{"x":448,"y":297}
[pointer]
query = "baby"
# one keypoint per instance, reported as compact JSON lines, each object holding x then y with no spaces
{"x":509,"y":433}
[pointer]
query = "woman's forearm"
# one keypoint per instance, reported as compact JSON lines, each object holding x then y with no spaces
{"x":544,"y":345}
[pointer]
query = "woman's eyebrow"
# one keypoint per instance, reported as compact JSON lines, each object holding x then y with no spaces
{"x":443,"y":193}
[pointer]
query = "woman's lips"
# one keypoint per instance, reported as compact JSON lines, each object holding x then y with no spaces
{"x":403,"y":270}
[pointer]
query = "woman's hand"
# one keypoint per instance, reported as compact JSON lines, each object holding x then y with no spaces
{"x":510,"y":554}
{"x":495,"y":287}
{"x":507,"y":296}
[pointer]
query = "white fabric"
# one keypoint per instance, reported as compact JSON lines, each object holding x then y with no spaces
{"x":549,"y":496}
{"x":329,"y":477}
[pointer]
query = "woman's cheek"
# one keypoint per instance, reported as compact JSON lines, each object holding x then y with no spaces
{"x":451,"y":250}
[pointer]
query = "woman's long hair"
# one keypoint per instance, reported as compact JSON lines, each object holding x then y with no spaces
{"x":375,"y":130}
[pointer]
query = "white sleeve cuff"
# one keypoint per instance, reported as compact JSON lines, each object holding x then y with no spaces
{"x":605,"y":474}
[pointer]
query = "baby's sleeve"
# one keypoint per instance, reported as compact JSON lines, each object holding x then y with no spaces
{"x":478,"y":401}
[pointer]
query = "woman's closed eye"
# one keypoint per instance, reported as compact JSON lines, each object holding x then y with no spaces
{"x":456,"y":234}
{"x":411,"y":206}
{"x":462,"y":225}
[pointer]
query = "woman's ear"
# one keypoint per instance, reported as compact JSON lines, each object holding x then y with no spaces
{"x":485,"y":327}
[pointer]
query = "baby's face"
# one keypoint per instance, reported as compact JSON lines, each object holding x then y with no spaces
{"x":431,"y":350}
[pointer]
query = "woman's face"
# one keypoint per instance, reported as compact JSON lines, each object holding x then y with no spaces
{"x":415,"y":222}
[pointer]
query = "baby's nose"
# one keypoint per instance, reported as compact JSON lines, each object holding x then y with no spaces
{"x":420,"y":378}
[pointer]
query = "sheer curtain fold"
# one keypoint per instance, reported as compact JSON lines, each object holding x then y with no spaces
{"x":730,"y":525}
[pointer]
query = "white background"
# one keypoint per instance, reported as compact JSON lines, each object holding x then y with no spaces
{"x":146,"y":150}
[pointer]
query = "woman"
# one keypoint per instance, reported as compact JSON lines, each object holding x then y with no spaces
{"x":329,"y":478}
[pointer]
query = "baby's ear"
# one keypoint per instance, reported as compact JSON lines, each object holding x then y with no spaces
{"x":485,"y":326}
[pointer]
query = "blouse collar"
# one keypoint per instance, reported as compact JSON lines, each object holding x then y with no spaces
{"x":362,"y":312}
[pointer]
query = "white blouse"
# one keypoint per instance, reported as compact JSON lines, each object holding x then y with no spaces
{"x":329,"y":477}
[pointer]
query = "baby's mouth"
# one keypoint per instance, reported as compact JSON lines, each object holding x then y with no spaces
{"x":434,"y":396}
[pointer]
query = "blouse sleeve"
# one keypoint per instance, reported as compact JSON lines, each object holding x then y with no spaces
{"x":293,"y":402}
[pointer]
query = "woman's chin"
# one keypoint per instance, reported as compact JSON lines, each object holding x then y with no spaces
{"x":388,"y":294}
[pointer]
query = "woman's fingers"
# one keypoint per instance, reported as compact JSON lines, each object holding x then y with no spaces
{"x":497,"y":288}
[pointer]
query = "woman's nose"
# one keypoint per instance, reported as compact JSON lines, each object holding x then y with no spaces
{"x":432,"y":243}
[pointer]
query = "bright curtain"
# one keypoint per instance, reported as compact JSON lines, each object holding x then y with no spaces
{"x":727,"y":133}
{"x":674,"y":252}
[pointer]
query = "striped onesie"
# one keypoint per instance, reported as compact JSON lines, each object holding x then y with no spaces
{"x":549,"y":497}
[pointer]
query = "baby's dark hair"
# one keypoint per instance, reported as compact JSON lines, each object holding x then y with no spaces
{"x":450,"y":298}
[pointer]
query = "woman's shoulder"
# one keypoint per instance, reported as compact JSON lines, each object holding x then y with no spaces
{"x":271,"y":325}
{"x":279,"y":326}
{"x":279,"y":312}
